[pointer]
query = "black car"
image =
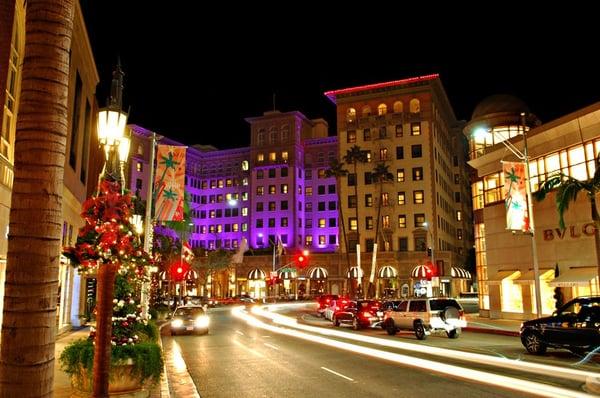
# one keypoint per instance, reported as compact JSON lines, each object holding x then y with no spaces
{"x":359,"y":314}
{"x":189,"y":319}
{"x":575,"y":326}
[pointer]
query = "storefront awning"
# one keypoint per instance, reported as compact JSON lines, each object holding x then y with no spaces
{"x":499,"y":276}
{"x":526,"y":278}
{"x":256,"y":275}
{"x":387,"y":272}
{"x":460,"y":273}
{"x":578,"y":276}
{"x":318,"y":273}
{"x":355,"y":273}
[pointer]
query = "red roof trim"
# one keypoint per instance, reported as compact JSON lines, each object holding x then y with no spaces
{"x":331,"y":94}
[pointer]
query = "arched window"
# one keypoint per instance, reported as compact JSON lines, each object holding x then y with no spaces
{"x":272,"y":136}
{"x":398,"y":107}
{"x":285,"y":133}
{"x":381,"y":109}
{"x":245,"y":165}
{"x":415,"y":106}
{"x":350,"y":115}
{"x":260,"y":138}
{"x":366,"y":111}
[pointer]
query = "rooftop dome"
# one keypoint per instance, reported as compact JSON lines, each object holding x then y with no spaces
{"x":500,"y":103}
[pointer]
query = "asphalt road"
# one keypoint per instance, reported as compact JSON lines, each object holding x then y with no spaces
{"x":236,"y":359}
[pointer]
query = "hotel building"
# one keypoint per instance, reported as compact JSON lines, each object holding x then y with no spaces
{"x":504,"y":259}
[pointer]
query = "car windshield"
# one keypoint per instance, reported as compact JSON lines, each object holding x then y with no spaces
{"x":189,"y":312}
{"x":441,"y":304}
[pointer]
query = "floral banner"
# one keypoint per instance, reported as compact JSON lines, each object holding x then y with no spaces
{"x":169,"y":182}
{"x":515,"y":196}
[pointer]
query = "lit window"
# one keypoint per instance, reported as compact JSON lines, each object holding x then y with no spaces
{"x":260,"y":191}
{"x":272,"y":156}
{"x":284,"y":156}
{"x":415,"y":128}
{"x":368,"y":200}
{"x":321,"y":173}
{"x":353,"y":222}
{"x":308,"y":191}
{"x":398,"y":107}
{"x":244,"y":195}
{"x":414,"y":106}
{"x":244,"y":227}
{"x":418,"y":197}
{"x":383,"y":154}
{"x":272,"y":190}
{"x":284,"y":188}
{"x":260,"y":158}
{"x":400,"y":175}
{"x":321,"y":239}
{"x":402,"y":221}
{"x":369,"y":222}
{"x":321,"y":223}
{"x":419,"y":220}
{"x":385,"y":200}
{"x":369,"y":156}
{"x":385,"y":221}
{"x":401,"y":198}
{"x":351,"y":136}
{"x":245,"y":181}
{"x":381,"y":109}
{"x":350,"y":115}
{"x":139,"y":166}
{"x":458,"y":215}
{"x":308,"y":240}
{"x":245,"y":165}
{"x":244,"y":211}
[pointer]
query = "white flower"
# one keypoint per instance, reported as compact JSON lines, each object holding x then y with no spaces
{"x":130,"y":340}
{"x":135,"y":336}
{"x":121,"y":303}
{"x":92,"y":329}
{"x":115,"y":301}
{"x":149,"y":316}
{"x":113,"y":343}
{"x":132,"y":301}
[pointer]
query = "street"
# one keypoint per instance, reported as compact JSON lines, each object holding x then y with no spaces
{"x":238,"y":358}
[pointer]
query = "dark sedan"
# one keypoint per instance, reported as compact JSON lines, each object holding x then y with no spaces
{"x":189,"y":319}
{"x":359,"y":314}
{"x":575,"y":327}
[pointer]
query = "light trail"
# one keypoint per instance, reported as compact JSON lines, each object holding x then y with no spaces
{"x":336,"y":373}
{"x":531,"y":367}
{"x":477,"y":376}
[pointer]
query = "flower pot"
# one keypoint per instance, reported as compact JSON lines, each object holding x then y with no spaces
{"x":123,"y":383}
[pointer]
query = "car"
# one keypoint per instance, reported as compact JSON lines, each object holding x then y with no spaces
{"x":189,"y":318}
{"x":359,"y":314}
{"x":574,"y":326}
{"x":334,"y":306}
{"x":425,"y":316}
{"x":324,"y":301}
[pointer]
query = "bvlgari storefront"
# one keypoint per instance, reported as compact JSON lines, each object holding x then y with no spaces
{"x":566,"y":258}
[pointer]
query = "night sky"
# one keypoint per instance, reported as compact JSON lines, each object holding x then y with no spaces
{"x":194,"y":75}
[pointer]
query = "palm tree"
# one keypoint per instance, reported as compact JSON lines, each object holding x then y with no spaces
{"x":380,"y":174}
{"x":34,"y":242}
{"x":336,"y":169}
{"x":354,"y":156}
{"x":568,"y":189}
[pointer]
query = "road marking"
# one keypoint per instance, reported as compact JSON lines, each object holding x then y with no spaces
{"x":266,"y":337}
{"x":272,"y":346}
{"x":336,"y":373}
{"x":240,"y":333}
{"x":250,"y":350}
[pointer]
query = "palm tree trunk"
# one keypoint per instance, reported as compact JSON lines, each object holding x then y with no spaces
{"x":104,"y":311}
{"x":359,"y":280}
{"x":34,"y":242}
{"x":596,"y":219}
{"x":345,"y":237}
{"x":375,"y":245}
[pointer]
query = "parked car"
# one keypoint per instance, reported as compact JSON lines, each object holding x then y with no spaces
{"x":575,"y":326}
{"x":190,"y":318}
{"x":334,"y":306}
{"x":324,"y":301}
{"x":359,"y":314}
{"x":425,"y":316}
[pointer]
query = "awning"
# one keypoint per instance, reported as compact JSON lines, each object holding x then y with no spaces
{"x":164,"y":276}
{"x":355,"y":273}
{"x":387,"y":272}
{"x":287,"y":274}
{"x":317,"y":273}
{"x":460,"y":273}
{"x":527,"y":278}
{"x":499,"y":276}
{"x":577,"y":276}
{"x":256,"y":275}
{"x":191,"y":275}
{"x":421,"y":272}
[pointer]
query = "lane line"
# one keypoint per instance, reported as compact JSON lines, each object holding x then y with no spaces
{"x":336,"y":373}
{"x":272,"y":346}
{"x":240,"y":333}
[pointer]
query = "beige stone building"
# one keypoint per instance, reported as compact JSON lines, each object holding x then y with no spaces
{"x":83,"y":79}
{"x":409,"y":126}
{"x":504,"y":259}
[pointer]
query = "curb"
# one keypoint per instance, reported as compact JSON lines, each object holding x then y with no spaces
{"x":502,"y":332}
{"x":592,"y":385}
{"x":164,"y":379}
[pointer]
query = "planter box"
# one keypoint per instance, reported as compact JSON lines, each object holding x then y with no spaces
{"x":123,"y":383}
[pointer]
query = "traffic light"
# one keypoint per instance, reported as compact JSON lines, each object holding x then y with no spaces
{"x":302,"y":259}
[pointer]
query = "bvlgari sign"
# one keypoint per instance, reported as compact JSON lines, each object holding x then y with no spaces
{"x":570,"y":232}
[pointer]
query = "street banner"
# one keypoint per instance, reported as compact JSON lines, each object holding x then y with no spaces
{"x":169,"y":183}
{"x":515,"y":196}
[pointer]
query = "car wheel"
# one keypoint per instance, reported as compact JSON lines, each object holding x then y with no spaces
{"x":533,"y":343}
{"x":390,"y":327}
{"x":355,"y":324}
{"x":420,"y":331}
{"x":336,"y":322}
{"x":454,"y":333}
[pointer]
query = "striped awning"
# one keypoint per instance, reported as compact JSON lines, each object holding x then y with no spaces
{"x":191,"y":275}
{"x":256,"y":275}
{"x":317,"y":273}
{"x":164,"y":276}
{"x":287,"y":274}
{"x":387,"y":272}
{"x":460,"y":273}
{"x":421,"y":272}
{"x":355,"y":273}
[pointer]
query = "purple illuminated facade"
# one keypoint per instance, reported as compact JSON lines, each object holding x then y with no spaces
{"x":275,"y":189}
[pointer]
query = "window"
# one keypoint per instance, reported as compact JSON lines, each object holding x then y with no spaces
{"x":399,"y":132}
{"x":284,"y":188}
{"x":244,"y":196}
{"x":414,"y":106}
{"x":260,"y":174}
{"x":244,"y":227}
{"x":332,"y":239}
{"x":401,"y":198}
{"x":220,"y":184}
{"x":367,"y":135}
{"x":308,"y":207}
{"x":369,"y":245}
{"x":420,"y":243}
{"x":459,"y":233}
{"x":321,"y":173}
{"x":457,"y":178}
{"x":368,"y":178}
{"x":308,"y":191}
{"x":400,"y":175}
{"x":260,"y":191}
{"x":139,"y":166}
{"x":272,"y":173}
{"x":309,"y":223}
{"x":332,"y":205}
{"x":418,"y":197}
{"x":260,"y":138}
{"x":417,"y":173}
{"x":332,"y":222}
{"x":244,"y":211}
{"x":245,"y":165}
{"x":284,"y":205}
{"x":245,"y":181}
{"x":350,"y":115}
{"x":403,"y":244}
{"x":383,"y":154}
{"x":385,"y":221}
{"x":458,"y":215}
{"x":369,"y":156}
{"x":351,"y":137}
{"x":321,"y":189}
{"x":322,"y":223}
{"x":272,"y":206}
{"x":353,"y":224}
{"x":368,"y":200}
{"x":138,"y":183}
{"x":284,"y":156}
{"x":284,"y":222}
{"x":381,"y":109}
{"x":308,"y":174}
{"x":321,"y":206}
{"x":352,"y":203}
{"x":229,"y":182}
{"x":322,"y":239}
{"x":399,"y":152}
{"x":382,"y":132}
{"x":351,"y":179}
{"x":308,"y":240}
{"x":272,"y":190}
{"x":331,"y":188}
{"x":272,"y":156}
{"x":260,"y":157}
{"x":415,"y":128}
{"x":284,"y":172}
{"x":259,"y":240}
{"x":369,"y":222}
{"x":366,"y":111}
{"x":271,"y":222}
{"x":416,"y":151}
{"x":457,"y":197}
{"x":402,"y":221}
{"x":385,"y":199}
{"x":419,"y":220}
{"x":74,"y":123}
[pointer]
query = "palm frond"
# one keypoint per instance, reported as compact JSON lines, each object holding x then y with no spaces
{"x":567,"y":193}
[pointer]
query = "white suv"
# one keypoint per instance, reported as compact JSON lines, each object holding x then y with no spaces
{"x":426,"y":316}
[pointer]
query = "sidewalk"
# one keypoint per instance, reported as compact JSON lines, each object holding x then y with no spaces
{"x":506,"y":327}
{"x":62,"y":383}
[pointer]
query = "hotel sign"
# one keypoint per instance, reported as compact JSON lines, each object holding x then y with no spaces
{"x":572,"y":231}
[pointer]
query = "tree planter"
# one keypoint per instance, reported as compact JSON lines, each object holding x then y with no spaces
{"x":123,"y":382}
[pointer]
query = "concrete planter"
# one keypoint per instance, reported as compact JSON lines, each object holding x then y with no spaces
{"x":124,"y":383}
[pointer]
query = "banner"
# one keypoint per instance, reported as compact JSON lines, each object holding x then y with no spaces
{"x":515,"y":196}
{"x":169,"y":183}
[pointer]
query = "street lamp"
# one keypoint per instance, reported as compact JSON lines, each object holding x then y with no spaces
{"x":524,"y":156}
